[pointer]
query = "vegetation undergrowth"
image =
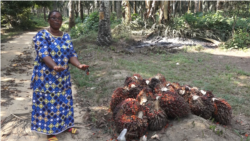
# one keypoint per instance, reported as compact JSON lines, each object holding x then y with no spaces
{"x":218,"y":22}
{"x":34,"y":24}
{"x":39,"y":21}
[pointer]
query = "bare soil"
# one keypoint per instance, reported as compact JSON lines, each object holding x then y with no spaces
{"x":94,"y":119}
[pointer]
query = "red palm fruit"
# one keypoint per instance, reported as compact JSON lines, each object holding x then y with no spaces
{"x":201,"y":106}
{"x":135,"y":78}
{"x":128,"y":80}
{"x":136,"y":126}
{"x":171,"y":88}
{"x":157,"y":117}
{"x":184,"y":91}
{"x":128,"y":106}
{"x":160,"y":88}
{"x":118,"y":96}
{"x":144,"y":83}
{"x":145,"y":95}
{"x":174,"y":105}
{"x":130,"y":115}
{"x":133,"y":92}
{"x":153,"y":82}
{"x":132,"y":85}
{"x":161,"y":78}
{"x":222,"y":111}
{"x":207,"y":94}
{"x":176,"y":85}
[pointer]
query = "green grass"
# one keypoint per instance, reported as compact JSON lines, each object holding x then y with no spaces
{"x":195,"y":68}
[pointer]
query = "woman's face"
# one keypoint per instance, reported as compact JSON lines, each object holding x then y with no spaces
{"x":55,"y":20}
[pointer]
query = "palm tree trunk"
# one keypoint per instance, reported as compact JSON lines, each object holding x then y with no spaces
{"x":104,"y":33}
{"x":81,"y":10}
{"x":189,"y":6}
{"x":113,"y":6}
{"x":71,"y":15}
{"x":134,"y":7}
{"x":118,"y":10}
{"x":180,"y":13}
{"x":127,"y":12}
{"x":166,"y":9}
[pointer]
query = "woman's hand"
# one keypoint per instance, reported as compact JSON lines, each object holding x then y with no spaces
{"x":83,"y":66}
{"x":58,"y":68}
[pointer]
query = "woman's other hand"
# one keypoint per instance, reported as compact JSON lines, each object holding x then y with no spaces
{"x":59,"y":68}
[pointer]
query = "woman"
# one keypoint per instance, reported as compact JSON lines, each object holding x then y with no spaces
{"x":52,"y":109}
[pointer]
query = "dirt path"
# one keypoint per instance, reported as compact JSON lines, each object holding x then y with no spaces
{"x":16,"y":98}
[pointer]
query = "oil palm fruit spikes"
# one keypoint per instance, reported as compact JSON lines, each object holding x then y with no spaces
{"x":201,"y":106}
{"x":222,"y":111}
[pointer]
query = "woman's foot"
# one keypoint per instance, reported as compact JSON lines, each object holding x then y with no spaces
{"x":52,"y":138}
{"x":73,"y":131}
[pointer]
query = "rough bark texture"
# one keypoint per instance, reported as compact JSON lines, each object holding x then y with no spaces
{"x":71,"y":15}
{"x":104,"y":33}
{"x":81,"y":10}
{"x":134,"y":7}
{"x":127,"y":12}
{"x":118,"y":10}
{"x":165,"y":10}
{"x":113,"y":6}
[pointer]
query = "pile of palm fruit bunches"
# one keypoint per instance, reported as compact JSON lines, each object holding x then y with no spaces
{"x":148,"y":104}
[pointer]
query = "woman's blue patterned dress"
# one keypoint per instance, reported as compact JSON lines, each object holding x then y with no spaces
{"x":52,"y":108}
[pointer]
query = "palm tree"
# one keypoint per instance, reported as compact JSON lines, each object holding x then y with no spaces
{"x":71,"y":15}
{"x":104,"y":34}
{"x":126,"y":4}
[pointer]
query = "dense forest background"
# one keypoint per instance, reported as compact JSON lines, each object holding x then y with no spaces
{"x":225,"y":21}
{"x":206,"y":45}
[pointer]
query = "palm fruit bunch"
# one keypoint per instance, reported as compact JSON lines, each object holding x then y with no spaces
{"x":118,"y":96}
{"x":147,"y":104}
{"x":201,"y":106}
{"x":157,"y":117}
{"x":222,"y":111}
{"x":174,"y":105}
{"x":130,"y":115}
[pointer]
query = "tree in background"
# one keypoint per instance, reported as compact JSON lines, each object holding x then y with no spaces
{"x":55,"y":5}
{"x":81,"y":10}
{"x":16,"y":13}
{"x":166,"y":8}
{"x":44,"y":5}
{"x":71,"y":14}
{"x":126,"y":4}
{"x":104,"y":34}
{"x":118,"y":10}
{"x":88,"y":5}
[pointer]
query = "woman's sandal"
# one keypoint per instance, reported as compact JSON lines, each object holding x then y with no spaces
{"x":73,"y":131}
{"x":54,"y":138}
